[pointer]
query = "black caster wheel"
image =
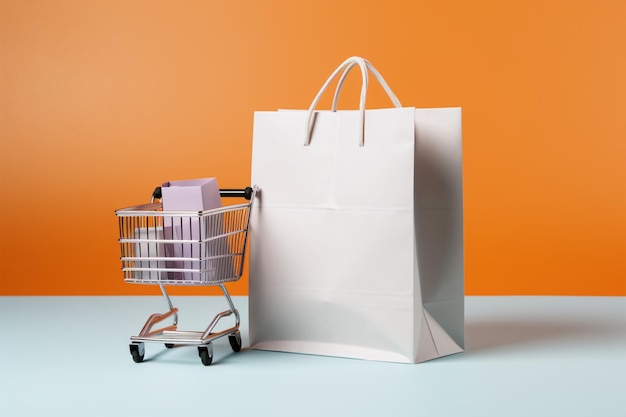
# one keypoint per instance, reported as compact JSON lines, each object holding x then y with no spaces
{"x":169,"y":345}
{"x":137,"y":351}
{"x":206,"y":354}
{"x":235,"y":341}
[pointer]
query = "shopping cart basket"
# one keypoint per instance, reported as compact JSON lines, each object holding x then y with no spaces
{"x":185,"y":248}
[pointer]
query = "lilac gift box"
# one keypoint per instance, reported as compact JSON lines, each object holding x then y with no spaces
{"x":189,"y":195}
{"x":197,"y":195}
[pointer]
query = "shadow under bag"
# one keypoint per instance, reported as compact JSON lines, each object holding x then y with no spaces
{"x":357,"y":242}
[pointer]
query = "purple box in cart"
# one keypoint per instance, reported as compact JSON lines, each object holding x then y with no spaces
{"x":189,"y":195}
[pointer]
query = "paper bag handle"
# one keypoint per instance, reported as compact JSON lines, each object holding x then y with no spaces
{"x":346,"y":66}
{"x":392,"y":96}
{"x":310,"y":118}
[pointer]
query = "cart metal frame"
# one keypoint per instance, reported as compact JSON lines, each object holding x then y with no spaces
{"x":185,"y":248}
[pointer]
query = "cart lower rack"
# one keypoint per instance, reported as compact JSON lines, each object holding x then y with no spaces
{"x":185,"y":248}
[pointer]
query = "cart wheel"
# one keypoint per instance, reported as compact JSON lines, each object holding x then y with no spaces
{"x":137,"y":351}
{"x":235,"y":341}
{"x":169,"y":345}
{"x":206,"y":354}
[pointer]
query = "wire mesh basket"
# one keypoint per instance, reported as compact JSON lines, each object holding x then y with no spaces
{"x":182,"y":247}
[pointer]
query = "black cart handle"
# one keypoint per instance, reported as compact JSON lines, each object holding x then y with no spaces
{"x":236,"y":192}
{"x":226,"y":192}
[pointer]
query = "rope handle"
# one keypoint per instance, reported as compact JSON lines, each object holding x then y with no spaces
{"x":346,"y":67}
{"x":392,"y":96}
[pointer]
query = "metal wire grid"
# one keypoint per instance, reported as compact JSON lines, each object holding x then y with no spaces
{"x":183,"y":248}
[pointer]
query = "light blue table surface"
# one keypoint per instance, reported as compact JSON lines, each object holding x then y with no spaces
{"x":526,"y":356}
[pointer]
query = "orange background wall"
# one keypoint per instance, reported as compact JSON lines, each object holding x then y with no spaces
{"x":102,"y":100}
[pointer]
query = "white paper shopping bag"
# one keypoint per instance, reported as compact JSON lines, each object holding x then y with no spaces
{"x":357,"y":241}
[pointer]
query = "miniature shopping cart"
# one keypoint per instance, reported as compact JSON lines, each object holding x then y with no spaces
{"x":185,"y":248}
